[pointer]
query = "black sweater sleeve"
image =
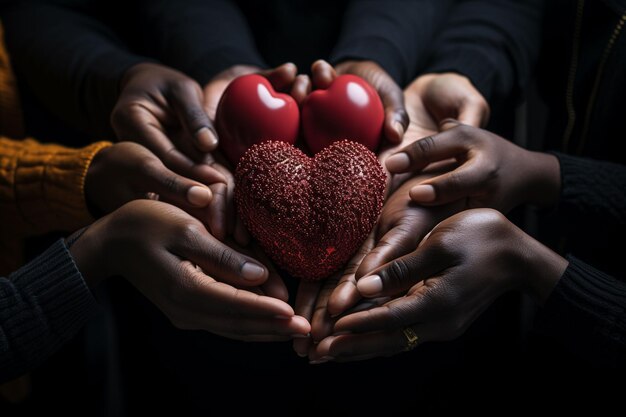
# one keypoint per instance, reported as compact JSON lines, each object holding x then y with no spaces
{"x":42,"y":306}
{"x":71,"y":61}
{"x":495,"y":43}
{"x":395,"y":34}
{"x":200,"y":37}
{"x":592,"y":190}
{"x":586,"y":314}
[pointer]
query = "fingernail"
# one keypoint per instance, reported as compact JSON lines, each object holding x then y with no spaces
{"x":399,"y":129}
{"x":199,"y":196}
{"x":207,"y":138}
{"x":398,"y":162}
{"x":371,"y":285}
{"x":423,"y":193}
{"x":252,"y":271}
{"x":321,"y":360}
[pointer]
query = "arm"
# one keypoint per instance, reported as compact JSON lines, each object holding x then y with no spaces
{"x":394,"y":34}
{"x":201,"y":39}
{"x":42,"y":306}
{"x":72,"y":62}
{"x":592,"y":189}
{"x":41,"y":186}
{"x":493,"y":43}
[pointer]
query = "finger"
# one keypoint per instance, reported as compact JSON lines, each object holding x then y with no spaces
{"x":217,"y":259}
{"x":305,"y":303}
{"x":345,"y":294}
{"x":467,"y":180}
{"x":274,"y":286}
{"x":172,"y":187}
{"x":422,"y":152}
{"x":254,"y":337}
{"x":253,"y":327}
{"x":347,"y":348}
{"x":186,"y":99}
{"x":322,"y":323}
{"x":241,"y":234}
{"x":425,"y":303}
{"x":396,"y":116}
{"x":397,"y":276}
{"x":322,"y":74}
{"x":404,"y":236}
{"x":281,"y":77}
{"x":217,"y":211}
{"x":474,"y":112}
{"x":301,"y":88}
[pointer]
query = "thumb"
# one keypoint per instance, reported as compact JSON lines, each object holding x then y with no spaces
{"x":474,"y":112}
{"x":322,"y":74}
{"x":187,"y":101}
{"x":448,"y":123}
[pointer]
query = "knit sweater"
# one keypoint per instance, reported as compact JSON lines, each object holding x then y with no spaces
{"x":42,"y":306}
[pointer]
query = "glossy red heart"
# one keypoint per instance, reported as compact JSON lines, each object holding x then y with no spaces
{"x":250,"y":112}
{"x":310,"y":215}
{"x":349,"y":108}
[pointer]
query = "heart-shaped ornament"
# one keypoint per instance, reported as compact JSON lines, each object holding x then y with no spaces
{"x":250,"y":112}
{"x":349,"y":108}
{"x":309,"y":214}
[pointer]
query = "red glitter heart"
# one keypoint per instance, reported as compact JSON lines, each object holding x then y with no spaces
{"x":309,"y":214}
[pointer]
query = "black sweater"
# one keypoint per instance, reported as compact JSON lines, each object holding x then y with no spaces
{"x":72,"y":63}
{"x":42,"y":306}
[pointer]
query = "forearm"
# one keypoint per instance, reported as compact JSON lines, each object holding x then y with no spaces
{"x":393,"y":34}
{"x":494,"y":43}
{"x":42,"y":306}
{"x":585,"y":314}
{"x":592,"y":191}
{"x":42,"y":186}
{"x":68,"y":59}
{"x":200,"y":39}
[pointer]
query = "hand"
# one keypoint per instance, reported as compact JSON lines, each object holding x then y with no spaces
{"x":396,"y":117}
{"x":162,"y":109}
{"x":127,"y":171}
{"x":492,"y":172}
{"x":157,"y":246}
{"x":402,"y":224}
{"x":452,"y":95}
{"x":458,"y":270}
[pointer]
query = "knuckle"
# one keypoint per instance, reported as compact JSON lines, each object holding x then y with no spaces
{"x":397,"y":274}
{"x":425,"y":146}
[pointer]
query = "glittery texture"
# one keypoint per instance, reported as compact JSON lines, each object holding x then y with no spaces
{"x":309,"y":214}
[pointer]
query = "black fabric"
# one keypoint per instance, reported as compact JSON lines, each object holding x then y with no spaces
{"x":42,"y":306}
{"x":586,"y":315}
{"x":493,"y":43}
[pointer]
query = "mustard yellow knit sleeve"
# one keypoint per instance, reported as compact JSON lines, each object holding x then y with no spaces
{"x":41,"y":187}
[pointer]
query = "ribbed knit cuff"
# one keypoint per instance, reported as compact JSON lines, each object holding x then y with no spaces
{"x":586,"y":314}
{"x":42,"y":306}
{"x":49,"y":185}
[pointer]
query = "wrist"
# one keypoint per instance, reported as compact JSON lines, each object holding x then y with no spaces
{"x":85,"y":245}
{"x":544,"y":179}
{"x":543,"y":268}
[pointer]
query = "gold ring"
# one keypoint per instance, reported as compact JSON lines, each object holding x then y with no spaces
{"x":411,"y":338}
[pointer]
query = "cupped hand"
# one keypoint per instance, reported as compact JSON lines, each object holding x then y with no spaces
{"x":197,"y":281}
{"x":439,"y":289}
{"x":162,"y":109}
{"x":492,"y":171}
{"x":452,"y":95}
{"x":127,"y":171}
